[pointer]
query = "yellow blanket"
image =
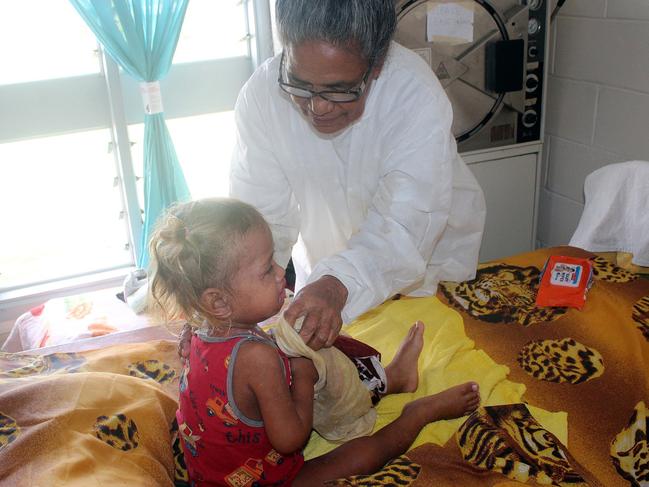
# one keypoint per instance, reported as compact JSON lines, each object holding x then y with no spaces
{"x":448,"y":358}
{"x":89,"y":419}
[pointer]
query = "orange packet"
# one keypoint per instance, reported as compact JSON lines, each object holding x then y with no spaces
{"x":565,"y":281}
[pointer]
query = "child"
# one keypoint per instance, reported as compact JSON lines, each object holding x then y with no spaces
{"x":245,"y":409}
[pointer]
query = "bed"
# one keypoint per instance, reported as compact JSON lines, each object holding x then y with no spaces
{"x":564,"y":391}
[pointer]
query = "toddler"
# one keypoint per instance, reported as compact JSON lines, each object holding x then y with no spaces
{"x":246,"y":409}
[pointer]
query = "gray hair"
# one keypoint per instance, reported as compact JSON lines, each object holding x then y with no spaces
{"x":365,"y":24}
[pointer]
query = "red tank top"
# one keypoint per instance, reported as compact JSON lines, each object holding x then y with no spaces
{"x":222,"y":446}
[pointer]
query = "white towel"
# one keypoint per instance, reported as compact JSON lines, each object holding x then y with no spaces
{"x":616,"y":214}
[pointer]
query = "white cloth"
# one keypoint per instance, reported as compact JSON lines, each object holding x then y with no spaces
{"x":386,"y":205}
{"x":136,"y":290}
{"x":616,"y":213}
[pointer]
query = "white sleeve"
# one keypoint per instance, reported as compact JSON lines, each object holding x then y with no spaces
{"x":256,"y":176}
{"x":407,"y":214}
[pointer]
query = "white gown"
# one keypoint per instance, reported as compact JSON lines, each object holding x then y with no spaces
{"x":386,"y":206}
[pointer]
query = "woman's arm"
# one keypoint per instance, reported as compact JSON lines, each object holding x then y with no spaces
{"x":424,"y":222}
{"x":405,"y":218}
{"x":287,"y":413}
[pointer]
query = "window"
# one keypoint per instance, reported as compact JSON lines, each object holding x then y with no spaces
{"x":59,"y":186}
{"x":203,"y":145}
{"x":61,"y":207}
{"x":54,"y":43}
{"x":212,"y":30}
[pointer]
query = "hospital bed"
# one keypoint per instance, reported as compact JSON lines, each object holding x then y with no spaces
{"x":564,"y":391}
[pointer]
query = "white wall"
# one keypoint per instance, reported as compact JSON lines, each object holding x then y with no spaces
{"x":597,"y":98}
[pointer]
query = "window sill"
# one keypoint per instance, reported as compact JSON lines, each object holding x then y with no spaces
{"x":16,"y":302}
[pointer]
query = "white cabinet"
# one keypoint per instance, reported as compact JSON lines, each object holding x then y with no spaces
{"x":509,"y":178}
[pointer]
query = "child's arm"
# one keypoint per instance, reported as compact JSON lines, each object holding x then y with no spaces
{"x":304,"y":377}
{"x":287,"y":413}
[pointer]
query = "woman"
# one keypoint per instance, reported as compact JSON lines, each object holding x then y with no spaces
{"x":344,"y":144}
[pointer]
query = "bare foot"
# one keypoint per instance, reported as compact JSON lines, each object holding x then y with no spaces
{"x":402,"y":373}
{"x":452,"y":403}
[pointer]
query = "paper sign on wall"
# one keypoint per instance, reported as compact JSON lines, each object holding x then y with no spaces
{"x":450,"y":22}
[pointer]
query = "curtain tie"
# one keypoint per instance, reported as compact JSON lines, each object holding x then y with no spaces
{"x":151,"y":97}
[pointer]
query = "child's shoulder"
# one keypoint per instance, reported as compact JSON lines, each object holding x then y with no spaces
{"x":261,"y":350}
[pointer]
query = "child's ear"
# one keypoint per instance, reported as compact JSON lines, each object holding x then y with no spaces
{"x":216,"y":303}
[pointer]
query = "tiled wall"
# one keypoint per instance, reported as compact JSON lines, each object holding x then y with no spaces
{"x":597,"y":98}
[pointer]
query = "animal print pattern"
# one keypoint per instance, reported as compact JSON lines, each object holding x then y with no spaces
{"x":29,"y":365}
{"x":181,"y":476}
{"x":630,"y":448}
{"x":564,"y":360}
{"x":604,"y":270}
{"x":152,"y":369}
{"x":401,"y":471}
{"x":118,"y":431}
{"x":507,"y":439}
{"x":501,"y":293}
{"x":641,"y":316}
{"x":9,"y":430}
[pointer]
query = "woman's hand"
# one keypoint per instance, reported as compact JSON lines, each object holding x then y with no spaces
{"x":321,"y":303}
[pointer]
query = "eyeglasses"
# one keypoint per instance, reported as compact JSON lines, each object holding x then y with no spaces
{"x":345,"y":96}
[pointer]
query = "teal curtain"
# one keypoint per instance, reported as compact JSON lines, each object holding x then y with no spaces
{"x":141,"y":36}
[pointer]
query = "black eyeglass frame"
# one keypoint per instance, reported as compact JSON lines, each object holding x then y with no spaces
{"x":355,"y":92}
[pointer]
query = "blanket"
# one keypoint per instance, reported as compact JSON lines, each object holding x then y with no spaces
{"x":89,"y":418}
{"x":592,"y":363}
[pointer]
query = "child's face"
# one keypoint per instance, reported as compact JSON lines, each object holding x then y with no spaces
{"x":257,"y":288}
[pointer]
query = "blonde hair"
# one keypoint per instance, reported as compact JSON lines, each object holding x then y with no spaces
{"x":193,"y":248}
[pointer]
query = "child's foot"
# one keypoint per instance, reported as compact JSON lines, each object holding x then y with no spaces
{"x":402,"y":373}
{"x":452,"y":403}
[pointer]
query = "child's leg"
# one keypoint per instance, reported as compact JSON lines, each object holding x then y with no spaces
{"x":366,"y":455}
{"x":402,"y":373}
